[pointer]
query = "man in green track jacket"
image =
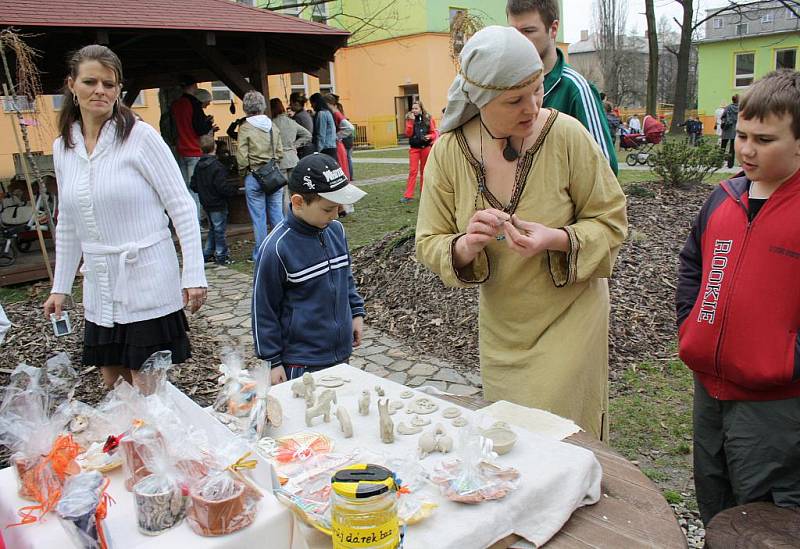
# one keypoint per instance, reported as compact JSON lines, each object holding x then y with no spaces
{"x":564,"y":88}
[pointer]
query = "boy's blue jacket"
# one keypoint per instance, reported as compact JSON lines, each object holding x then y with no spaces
{"x":304,"y":295}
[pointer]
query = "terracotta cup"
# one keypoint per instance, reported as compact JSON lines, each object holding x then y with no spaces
{"x":217,"y":518}
{"x":24,"y":466}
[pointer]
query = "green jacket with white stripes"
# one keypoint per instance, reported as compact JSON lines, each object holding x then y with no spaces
{"x":567,"y":91}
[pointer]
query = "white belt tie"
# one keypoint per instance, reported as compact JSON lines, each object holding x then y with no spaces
{"x":128,"y":255}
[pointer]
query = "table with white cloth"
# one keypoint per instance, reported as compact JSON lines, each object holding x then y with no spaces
{"x":274,"y":525}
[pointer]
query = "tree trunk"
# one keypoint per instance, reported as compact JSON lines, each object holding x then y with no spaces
{"x":682,"y":81}
{"x":652,"y":69}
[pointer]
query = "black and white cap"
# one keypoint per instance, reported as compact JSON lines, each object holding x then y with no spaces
{"x":321,"y":174}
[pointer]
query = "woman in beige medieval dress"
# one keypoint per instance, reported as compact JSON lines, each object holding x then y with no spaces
{"x":520,"y":201}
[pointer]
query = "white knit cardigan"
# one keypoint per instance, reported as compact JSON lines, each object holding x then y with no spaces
{"x":112,"y":212}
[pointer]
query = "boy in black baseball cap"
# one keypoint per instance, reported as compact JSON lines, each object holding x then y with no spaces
{"x":307,"y":314}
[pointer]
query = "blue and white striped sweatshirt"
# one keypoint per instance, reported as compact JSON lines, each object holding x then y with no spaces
{"x":304,"y":295}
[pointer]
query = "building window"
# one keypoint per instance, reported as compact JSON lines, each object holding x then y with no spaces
{"x":786,"y":59}
{"x":295,"y":10}
{"x":718,"y":22}
{"x":741,"y":29}
{"x":745,"y":69}
{"x":767,"y":18}
{"x":19,"y":103}
{"x":319,"y":13}
{"x":299,"y":82}
{"x":220,"y":92}
{"x":326,"y":80}
{"x":139,"y":101}
{"x":791,"y":13}
{"x":58,"y":100}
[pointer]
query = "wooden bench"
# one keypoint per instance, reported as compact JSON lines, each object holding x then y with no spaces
{"x":631,"y":513}
{"x":759,"y":525}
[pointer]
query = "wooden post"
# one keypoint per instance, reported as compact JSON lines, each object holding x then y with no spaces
{"x":259,"y":76}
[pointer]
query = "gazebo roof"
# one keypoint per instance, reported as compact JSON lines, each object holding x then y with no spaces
{"x":160,"y":39}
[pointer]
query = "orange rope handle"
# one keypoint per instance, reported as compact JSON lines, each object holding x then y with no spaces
{"x":102,"y":511}
{"x":38,"y":483}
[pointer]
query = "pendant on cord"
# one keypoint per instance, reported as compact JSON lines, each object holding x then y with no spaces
{"x":509,"y":152}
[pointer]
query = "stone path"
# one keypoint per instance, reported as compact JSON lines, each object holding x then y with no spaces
{"x":227,"y":316}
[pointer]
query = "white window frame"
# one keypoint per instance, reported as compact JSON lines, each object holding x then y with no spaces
{"x":767,"y":18}
{"x":736,"y":76}
{"x":323,"y":12}
{"x":746,"y":29}
{"x":786,"y":49}
{"x":329,"y":88}
{"x":220,"y":88}
{"x":299,"y":87}
{"x":295,"y":11}
{"x":790,"y":14}
{"x":23,"y":104}
{"x":718,"y":22}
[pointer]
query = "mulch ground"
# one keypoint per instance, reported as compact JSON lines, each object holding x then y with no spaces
{"x":411,"y":303}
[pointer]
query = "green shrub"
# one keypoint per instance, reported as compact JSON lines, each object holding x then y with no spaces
{"x":680,"y":164}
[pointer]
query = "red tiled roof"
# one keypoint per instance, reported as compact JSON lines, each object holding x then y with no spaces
{"x":208,"y":15}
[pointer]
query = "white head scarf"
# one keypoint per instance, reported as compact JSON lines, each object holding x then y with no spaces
{"x":496,"y":59}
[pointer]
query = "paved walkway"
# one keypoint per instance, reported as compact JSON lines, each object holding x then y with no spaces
{"x":226,"y":315}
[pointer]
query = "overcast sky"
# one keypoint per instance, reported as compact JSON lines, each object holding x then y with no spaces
{"x":578,"y":14}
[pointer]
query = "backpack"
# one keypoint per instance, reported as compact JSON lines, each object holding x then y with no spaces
{"x":729,"y":118}
{"x":168,"y":128}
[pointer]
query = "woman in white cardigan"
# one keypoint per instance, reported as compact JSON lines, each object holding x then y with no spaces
{"x":116,"y":178}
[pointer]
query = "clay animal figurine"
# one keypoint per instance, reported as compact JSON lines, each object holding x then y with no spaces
{"x":386,"y":423}
{"x":301,"y":387}
{"x":311,"y":398}
{"x":344,"y":421}
{"x":380,"y":391}
{"x":404,"y":429}
{"x":435,"y":440}
{"x":363,"y":403}
{"x":322,"y":408}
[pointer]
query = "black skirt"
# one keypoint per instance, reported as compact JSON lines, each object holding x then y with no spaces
{"x":129,"y":345}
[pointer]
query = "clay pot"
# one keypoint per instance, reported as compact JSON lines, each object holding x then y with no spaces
{"x":192,"y":469}
{"x":131,"y":481}
{"x":158,"y":512}
{"x":217,"y":518}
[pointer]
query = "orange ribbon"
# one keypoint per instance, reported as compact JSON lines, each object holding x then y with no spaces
{"x":102,"y":511}
{"x":38,"y":483}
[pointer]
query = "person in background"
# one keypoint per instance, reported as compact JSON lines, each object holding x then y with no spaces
{"x":729,"y":118}
{"x":738,"y":305}
{"x":297,"y":103}
{"x":118,"y":188}
{"x":210,"y":182}
{"x":324,"y":134}
{"x":259,"y":142}
{"x":613,"y":122}
{"x":190,"y":122}
{"x":421,"y":133}
{"x":635,"y":124}
{"x":718,"y":121}
{"x":565,"y":89}
{"x":293,"y":136}
{"x":5,"y":324}
{"x":307,"y":313}
{"x":347,"y":135}
{"x":343,"y":129}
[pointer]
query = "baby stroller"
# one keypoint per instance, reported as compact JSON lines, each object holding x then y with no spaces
{"x":653,"y":134}
{"x":18,"y":224}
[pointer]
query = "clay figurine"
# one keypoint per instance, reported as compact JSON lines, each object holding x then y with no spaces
{"x":407,"y":394}
{"x":322,"y":408}
{"x":435,"y":440}
{"x":502,"y":437}
{"x":363,"y":403}
{"x":420,"y":421}
{"x":451,"y":412}
{"x":403,"y":429}
{"x":460,"y":422}
{"x":344,"y":421}
{"x":380,"y":391}
{"x":302,"y":386}
{"x":274,"y":411}
{"x":386,"y":423}
{"x":394,"y":406}
{"x":423,"y":405}
{"x":331,"y":381}
{"x":311,"y":398}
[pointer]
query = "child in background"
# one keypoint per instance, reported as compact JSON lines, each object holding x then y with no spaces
{"x":209,"y":181}
{"x":307,"y":314}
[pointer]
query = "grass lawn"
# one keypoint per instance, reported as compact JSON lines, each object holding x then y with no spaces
{"x":379,"y":153}
{"x":651,"y":421}
{"x":368,"y":171}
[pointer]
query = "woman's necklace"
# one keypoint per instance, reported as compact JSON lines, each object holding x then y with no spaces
{"x":481,"y":186}
{"x":509,"y":152}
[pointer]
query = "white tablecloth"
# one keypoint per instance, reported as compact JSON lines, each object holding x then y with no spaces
{"x":557,"y":477}
{"x":274,"y":526}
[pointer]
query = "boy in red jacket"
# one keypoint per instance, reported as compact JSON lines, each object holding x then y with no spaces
{"x":738,"y":308}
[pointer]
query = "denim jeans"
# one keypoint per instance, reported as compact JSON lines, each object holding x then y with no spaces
{"x":216,"y":246}
{"x":263,"y":208}
{"x":187,"y":165}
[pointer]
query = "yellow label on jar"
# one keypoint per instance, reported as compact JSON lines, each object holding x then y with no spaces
{"x":383,"y":535}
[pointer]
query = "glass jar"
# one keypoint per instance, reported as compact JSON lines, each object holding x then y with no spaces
{"x":364,"y":508}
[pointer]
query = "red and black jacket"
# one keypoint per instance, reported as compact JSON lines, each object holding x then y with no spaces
{"x":738,"y":296}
